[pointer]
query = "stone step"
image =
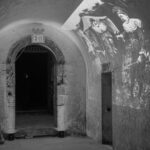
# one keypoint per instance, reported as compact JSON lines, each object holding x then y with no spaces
{"x":35,"y":132}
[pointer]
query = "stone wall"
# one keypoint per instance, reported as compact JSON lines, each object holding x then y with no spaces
{"x":117,"y":32}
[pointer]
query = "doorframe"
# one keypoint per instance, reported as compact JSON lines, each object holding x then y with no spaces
{"x":111,"y":73}
{"x":10,"y":74}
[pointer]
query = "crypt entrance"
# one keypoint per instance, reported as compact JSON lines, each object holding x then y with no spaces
{"x":35,"y":88}
{"x":33,"y":73}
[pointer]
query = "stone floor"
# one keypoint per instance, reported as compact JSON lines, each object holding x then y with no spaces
{"x":34,"y":123}
{"x":54,"y":143}
{"x":34,"y":119}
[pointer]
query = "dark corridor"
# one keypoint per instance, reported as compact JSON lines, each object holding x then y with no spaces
{"x":31,"y":82}
{"x":35,"y":87}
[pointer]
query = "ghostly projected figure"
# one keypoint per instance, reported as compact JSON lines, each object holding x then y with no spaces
{"x":98,"y":33}
{"x":133,"y":38}
{"x":133,"y":32}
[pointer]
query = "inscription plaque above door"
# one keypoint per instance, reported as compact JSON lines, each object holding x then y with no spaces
{"x":37,"y":36}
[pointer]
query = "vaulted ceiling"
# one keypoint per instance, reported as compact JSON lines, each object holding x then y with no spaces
{"x":54,"y":10}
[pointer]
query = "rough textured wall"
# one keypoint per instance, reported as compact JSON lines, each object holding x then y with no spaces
{"x":117,"y":32}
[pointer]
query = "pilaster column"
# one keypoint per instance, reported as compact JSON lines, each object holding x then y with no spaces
{"x":10,"y":99}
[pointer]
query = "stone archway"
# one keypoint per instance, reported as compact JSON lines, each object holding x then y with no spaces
{"x":10,"y":77}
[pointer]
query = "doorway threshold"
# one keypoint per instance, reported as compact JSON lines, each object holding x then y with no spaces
{"x":35,"y":132}
{"x":34,"y":123}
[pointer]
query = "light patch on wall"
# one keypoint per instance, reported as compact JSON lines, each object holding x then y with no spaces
{"x":24,"y":22}
{"x":74,"y":18}
{"x":36,"y":22}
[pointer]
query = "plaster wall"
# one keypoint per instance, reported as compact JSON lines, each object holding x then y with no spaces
{"x":52,"y":10}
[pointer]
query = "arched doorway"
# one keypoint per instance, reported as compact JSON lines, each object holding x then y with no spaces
{"x":23,"y":52}
{"x":35,"y":88}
